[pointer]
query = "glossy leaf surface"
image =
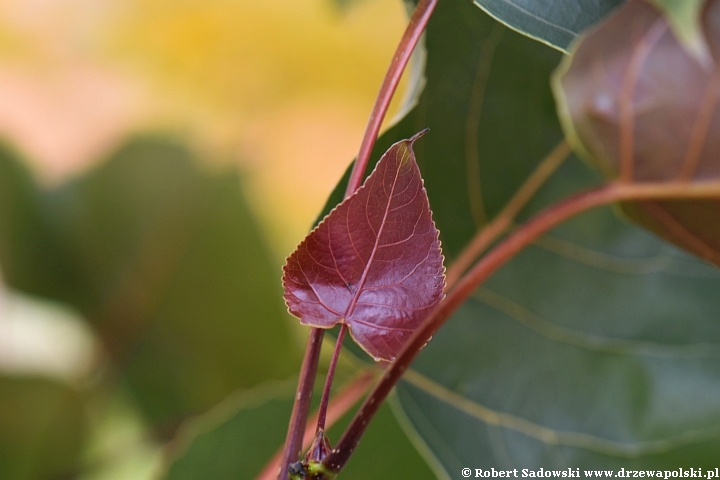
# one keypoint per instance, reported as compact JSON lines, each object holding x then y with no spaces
{"x":644,"y":109}
{"x":595,"y":347}
{"x":555,"y":22}
{"x":374,"y":262}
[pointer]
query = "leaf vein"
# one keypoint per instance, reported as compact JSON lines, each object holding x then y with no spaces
{"x":551,"y":436}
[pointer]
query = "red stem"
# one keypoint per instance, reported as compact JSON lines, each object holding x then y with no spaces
{"x":322,"y":410}
{"x":301,"y":406}
{"x":413,"y":32}
{"x":410,"y":38}
{"x":340,"y":404}
{"x":486,"y":266}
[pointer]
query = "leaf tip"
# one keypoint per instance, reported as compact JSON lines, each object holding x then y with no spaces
{"x":418,"y":135}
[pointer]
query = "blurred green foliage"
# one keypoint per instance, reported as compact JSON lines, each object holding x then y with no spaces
{"x":235,"y":441}
{"x":166,"y":263}
{"x":42,"y":427}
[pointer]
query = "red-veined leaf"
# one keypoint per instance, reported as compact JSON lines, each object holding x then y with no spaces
{"x":374,"y":263}
{"x":642,"y":107}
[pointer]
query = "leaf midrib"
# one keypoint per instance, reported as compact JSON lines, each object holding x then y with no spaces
{"x":353,"y":301}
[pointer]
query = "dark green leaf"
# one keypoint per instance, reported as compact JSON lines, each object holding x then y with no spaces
{"x":574,"y":353}
{"x":237,"y":438}
{"x":554,"y":22}
{"x":597,"y":347}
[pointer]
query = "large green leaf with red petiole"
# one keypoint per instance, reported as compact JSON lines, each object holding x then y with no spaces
{"x":595,"y":347}
{"x":639,"y":105}
{"x":374,"y":263}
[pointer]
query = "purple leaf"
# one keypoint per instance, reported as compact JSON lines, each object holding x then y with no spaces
{"x":644,"y":109}
{"x":374,"y":263}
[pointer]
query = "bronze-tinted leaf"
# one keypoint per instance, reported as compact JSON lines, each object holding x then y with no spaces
{"x":374,"y":262}
{"x":646,"y":110}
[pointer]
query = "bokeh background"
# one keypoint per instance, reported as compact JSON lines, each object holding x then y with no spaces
{"x":280,"y":90}
{"x":159,"y":160}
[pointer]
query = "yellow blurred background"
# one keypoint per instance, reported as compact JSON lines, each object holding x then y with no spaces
{"x":283,"y":88}
{"x":280,"y":91}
